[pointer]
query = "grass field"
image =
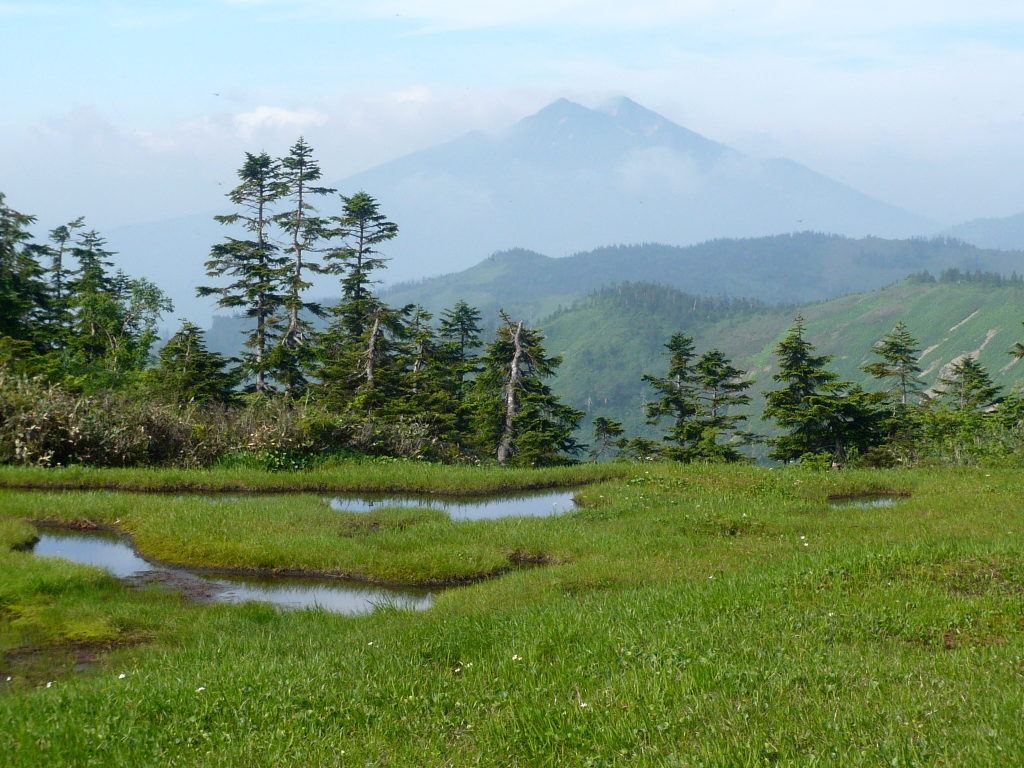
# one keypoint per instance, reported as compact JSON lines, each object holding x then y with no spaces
{"x":382,"y":475}
{"x":686,"y":616}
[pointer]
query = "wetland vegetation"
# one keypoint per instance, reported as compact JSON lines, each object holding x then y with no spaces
{"x":683,"y":615}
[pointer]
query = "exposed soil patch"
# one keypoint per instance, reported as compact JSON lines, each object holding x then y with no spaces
{"x":971,"y":577}
{"x":978,"y":577}
{"x":951,"y":640}
{"x":191,"y":588}
{"x":42,"y":664}
{"x":25,"y":546}
{"x":518,"y":557}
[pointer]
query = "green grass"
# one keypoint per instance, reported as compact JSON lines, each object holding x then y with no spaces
{"x":704,"y":616}
{"x":367,"y":476}
{"x":610,"y":340}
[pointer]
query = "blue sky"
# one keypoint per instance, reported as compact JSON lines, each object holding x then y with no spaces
{"x":137,"y":111}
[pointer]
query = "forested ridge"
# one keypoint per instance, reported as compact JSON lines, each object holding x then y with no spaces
{"x":653,"y":372}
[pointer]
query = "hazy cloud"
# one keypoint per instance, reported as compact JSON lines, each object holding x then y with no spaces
{"x":292,"y":122}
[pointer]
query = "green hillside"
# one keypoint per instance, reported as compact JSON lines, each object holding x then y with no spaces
{"x":611,"y":338}
{"x":795,"y":268}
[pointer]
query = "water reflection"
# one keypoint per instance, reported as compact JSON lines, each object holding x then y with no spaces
{"x":107,"y":550}
{"x":866,"y":501}
{"x":485,"y":508}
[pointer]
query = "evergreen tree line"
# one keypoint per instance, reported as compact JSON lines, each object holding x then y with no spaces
{"x":822,"y":419}
{"x":80,"y":383}
{"x":78,"y":341}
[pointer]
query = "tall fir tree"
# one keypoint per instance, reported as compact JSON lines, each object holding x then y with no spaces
{"x":518,"y":417}
{"x":677,"y":398}
{"x":113,"y":317}
{"x":460,"y":332}
{"x":363,"y":228}
{"x":259,"y":272}
{"x":898,"y":366}
{"x":700,"y":396}
{"x":722,"y":392}
{"x":62,"y":239}
{"x":821,"y":414}
{"x":967,"y":387}
{"x":305,"y":232}
{"x":24,"y":298}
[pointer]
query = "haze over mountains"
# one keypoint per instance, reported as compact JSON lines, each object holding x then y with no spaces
{"x":1005,"y":233}
{"x":790,"y":269}
{"x":570,"y":179}
{"x":563,"y":180}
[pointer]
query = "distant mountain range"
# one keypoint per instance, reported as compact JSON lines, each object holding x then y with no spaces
{"x":569,"y":178}
{"x":781,"y":269}
{"x":1006,"y":233}
{"x":564,"y":180}
{"x":790,"y":269}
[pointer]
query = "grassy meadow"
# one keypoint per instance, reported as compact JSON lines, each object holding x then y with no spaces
{"x":684,"y":616}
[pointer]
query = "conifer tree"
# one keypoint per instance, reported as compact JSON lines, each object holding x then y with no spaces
{"x":822,"y":415}
{"x":363,"y":228}
{"x":518,"y":416}
{"x":61,"y":237}
{"x":24,"y":299}
{"x":607,"y":435}
{"x":700,"y":397}
{"x":259,"y":273}
{"x":460,"y":332}
{"x":678,"y":397}
{"x":899,"y":352}
{"x":191,"y":373}
{"x":113,"y":317}
{"x":380,"y":369}
{"x":722,"y":390}
{"x":305,"y":230}
{"x":967,"y":387}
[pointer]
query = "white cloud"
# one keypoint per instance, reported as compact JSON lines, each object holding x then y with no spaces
{"x":251,"y":123}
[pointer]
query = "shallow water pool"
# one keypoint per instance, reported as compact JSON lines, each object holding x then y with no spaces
{"x":108,"y":550}
{"x":540,"y":504}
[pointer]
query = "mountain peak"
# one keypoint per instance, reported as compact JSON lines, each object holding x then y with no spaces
{"x":633,"y":117}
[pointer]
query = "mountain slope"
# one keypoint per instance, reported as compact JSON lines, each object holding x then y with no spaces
{"x":784,"y":268}
{"x":1006,"y":233}
{"x":612,"y":338}
{"x":571,"y":178}
{"x":563,"y":180}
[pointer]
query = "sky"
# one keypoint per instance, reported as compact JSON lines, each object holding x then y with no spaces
{"x":130,"y":112}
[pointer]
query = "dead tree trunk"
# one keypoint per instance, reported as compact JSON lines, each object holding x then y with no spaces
{"x":511,"y":403}
{"x":371,"y":350}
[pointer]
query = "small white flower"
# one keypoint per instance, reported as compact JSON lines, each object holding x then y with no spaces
{"x":516,"y":657}
{"x":583,"y":705}
{"x":458,"y":669}
{"x":803,"y":537}
{"x":200,"y":689}
{"x":370,"y":643}
{"x":468,"y":665}
{"x":122,"y":676}
{"x":49,"y":684}
{"x":806,"y":544}
{"x":9,"y":678}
